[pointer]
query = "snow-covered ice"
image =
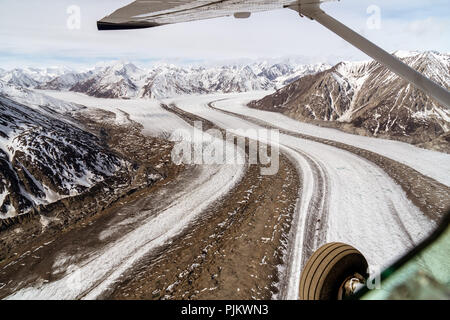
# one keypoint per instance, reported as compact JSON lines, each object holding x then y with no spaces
{"x":89,"y":279}
{"x":367,"y":209}
{"x":430,"y":163}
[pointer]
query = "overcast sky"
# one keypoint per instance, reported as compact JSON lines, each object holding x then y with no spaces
{"x":35,"y":33}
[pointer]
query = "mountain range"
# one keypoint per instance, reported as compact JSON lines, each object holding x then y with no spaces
{"x":360,"y":97}
{"x":46,"y":156}
{"x":125,"y":80}
{"x":366,"y":98}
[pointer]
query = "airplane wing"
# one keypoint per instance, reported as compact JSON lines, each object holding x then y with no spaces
{"x":152,"y":13}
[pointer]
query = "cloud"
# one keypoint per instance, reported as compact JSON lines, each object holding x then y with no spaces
{"x":36,"y":33}
{"x":426,"y":26}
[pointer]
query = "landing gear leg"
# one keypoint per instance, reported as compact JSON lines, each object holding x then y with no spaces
{"x":314,"y":12}
{"x":334,"y":272}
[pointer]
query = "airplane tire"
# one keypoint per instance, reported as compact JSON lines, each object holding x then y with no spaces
{"x":328,"y":268}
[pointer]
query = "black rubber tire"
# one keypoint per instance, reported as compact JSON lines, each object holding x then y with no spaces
{"x":328,"y":268}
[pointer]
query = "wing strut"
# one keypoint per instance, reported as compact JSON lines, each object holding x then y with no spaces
{"x":314,"y":12}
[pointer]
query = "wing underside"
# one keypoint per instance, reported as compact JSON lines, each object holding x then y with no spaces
{"x":152,"y":13}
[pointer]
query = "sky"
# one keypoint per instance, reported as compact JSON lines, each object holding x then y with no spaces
{"x":43,"y":33}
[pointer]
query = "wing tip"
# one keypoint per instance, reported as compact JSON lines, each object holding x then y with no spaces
{"x":103,"y":25}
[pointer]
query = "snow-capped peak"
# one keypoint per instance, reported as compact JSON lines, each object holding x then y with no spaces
{"x":405,"y":54}
{"x":121,"y":79}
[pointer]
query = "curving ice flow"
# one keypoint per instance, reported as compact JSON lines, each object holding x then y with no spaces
{"x":365,"y":207}
{"x":430,"y":163}
{"x":91,"y":277}
{"x":357,"y":202}
{"x":148,"y":112}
